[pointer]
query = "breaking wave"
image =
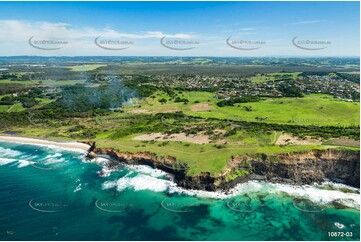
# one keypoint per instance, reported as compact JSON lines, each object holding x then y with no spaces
{"x":147,"y":178}
{"x":9,"y":152}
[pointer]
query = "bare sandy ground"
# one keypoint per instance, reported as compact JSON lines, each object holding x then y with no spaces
{"x":196,"y":139}
{"x":289,"y":139}
{"x":157,"y":110}
{"x":345,"y":142}
{"x":139,"y":111}
{"x":201,"y":107}
{"x":66,"y":145}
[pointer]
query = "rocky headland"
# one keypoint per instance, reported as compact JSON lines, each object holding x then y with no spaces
{"x":314,"y":166}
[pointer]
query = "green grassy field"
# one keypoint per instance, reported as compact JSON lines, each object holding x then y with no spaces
{"x":314,"y":109}
{"x":200,"y":157}
{"x":17,"y":107}
{"x":87,"y":67}
{"x":311,"y":110}
{"x":4,"y":108}
{"x":153,"y":105}
{"x":17,"y":82}
{"x":211,"y":157}
{"x":274,"y":76}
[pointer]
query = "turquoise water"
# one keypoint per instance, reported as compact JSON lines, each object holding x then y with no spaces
{"x":51,"y":194}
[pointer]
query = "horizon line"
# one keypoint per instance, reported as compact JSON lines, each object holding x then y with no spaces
{"x":166,"y":56}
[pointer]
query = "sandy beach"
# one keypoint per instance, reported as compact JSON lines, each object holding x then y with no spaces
{"x":34,"y":141}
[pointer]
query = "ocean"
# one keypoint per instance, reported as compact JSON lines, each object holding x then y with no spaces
{"x":50,"y":193}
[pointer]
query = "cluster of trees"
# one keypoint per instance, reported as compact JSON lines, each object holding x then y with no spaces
{"x":8,"y":75}
{"x":351,"y":77}
{"x":290,"y":90}
{"x":162,"y":100}
{"x":232,"y":101}
{"x":8,"y":120}
{"x":181,"y":123}
{"x":79,"y":98}
{"x":42,"y":73}
{"x":6,"y":88}
{"x":139,"y":85}
{"x":181,"y":100}
{"x":315,"y":73}
{"x":27,"y":99}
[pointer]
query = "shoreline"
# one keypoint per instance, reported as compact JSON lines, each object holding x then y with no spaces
{"x":299,"y":168}
{"x":289,"y":188}
{"x":72,"y":145}
{"x":289,"y":168}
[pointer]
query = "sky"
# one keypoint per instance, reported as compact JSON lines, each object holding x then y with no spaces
{"x":180,"y":28}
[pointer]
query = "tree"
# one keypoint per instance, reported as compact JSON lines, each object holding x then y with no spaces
{"x":162,"y":101}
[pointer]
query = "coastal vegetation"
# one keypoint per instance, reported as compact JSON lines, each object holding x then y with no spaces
{"x":196,"y":124}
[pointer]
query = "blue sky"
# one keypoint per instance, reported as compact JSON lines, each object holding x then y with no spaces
{"x":204,"y":25}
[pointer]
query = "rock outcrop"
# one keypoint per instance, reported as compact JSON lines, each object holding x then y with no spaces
{"x":312,"y":166}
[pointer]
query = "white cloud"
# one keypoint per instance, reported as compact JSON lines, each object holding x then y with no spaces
{"x":16,"y":30}
{"x":310,"y":22}
{"x":247,"y":29}
{"x":14,"y":36}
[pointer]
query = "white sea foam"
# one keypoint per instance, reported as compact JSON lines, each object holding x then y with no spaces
{"x":142,"y":169}
{"x":158,"y":181}
{"x":20,"y":163}
{"x":77,"y":188}
{"x":316,"y":193}
{"x":4,"y":161}
{"x":339,"y":225}
{"x":52,"y":161}
{"x":100,"y":160}
{"x":23,"y":163}
{"x":311,"y":192}
{"x":53,"y":155}
{"x":105,"y":172}
{"x":28,"y":157}
{"x":338,"y":186}
{"x":200,"y":193}
{"x":147,"y":170}
{"x":147,"y":178}
{"x":140,"y":182}
{"x":7,"y":152}
{"x":109,"y":184}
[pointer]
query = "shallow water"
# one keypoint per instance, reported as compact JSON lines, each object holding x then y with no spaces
{"x":53,"y":194}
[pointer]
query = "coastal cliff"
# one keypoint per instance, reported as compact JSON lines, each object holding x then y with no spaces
{"x":313,"y":166}
{"x":292,"y":168}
